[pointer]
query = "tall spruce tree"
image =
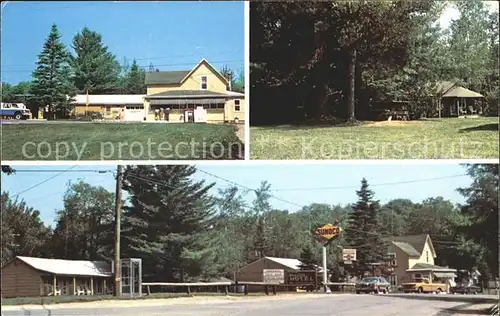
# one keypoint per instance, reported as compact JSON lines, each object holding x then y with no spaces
{"x":96,"y":69}
{"x":135,"y":80}
{"x":52,"y":79}
{"x":307,"y":258}
{"x":167,"y":220}
{"x":363,"y":233}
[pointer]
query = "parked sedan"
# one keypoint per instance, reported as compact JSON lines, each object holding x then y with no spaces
{"x":373,"y":285}
{"x":466,"y":288}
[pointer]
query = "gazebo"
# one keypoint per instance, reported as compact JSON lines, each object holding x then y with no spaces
{"x":454,"y":100}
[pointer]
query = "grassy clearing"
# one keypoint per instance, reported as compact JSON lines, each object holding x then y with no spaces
{"x":424,"y":139}
{"x":117,"y":141}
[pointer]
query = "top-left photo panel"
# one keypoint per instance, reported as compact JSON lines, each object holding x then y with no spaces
{"x":86,"y":81}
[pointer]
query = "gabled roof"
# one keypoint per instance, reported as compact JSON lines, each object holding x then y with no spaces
{"x":288,"y":262}
{"x":165,"y":77}
{"x":68,"y":267}
{"x":178,"y":77}
{"x":109,"y":99}
{"x":293,"y":264}
{"x":413,"y":245}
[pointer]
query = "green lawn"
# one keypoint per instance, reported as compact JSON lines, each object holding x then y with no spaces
{"x":117,"y":141}
{"x":424,"y":139}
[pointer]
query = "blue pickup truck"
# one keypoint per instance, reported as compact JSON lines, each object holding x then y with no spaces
{"x":16,"y":111}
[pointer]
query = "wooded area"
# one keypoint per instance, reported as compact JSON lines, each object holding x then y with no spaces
{"x":90,"y":68}
{"x":183,"y":232}
{"x":317,"y":62}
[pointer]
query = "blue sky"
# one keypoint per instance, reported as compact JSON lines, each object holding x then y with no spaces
{"x":171,"y":35}
{"x":297,"y":183}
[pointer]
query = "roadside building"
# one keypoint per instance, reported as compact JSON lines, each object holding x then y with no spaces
{"x":34,"y":277}
{"x":183,"y":92}
{"x":413,"y":257}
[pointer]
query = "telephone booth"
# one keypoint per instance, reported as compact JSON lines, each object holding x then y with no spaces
{"x":131,"y":277}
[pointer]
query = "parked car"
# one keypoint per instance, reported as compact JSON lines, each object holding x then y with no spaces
{"x":423,"y":286}
{"x":17,"y":111}
{"x":373,"y":285}
{"x":466,"y":288}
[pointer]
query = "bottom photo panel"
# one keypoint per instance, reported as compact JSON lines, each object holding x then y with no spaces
{"x":248,"y":240}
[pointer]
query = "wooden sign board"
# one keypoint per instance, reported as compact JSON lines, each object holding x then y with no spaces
{"x":327,"y":232}
{"x":273,"y":276}
{"x":348,"y":255}
{"x":301,"y":278}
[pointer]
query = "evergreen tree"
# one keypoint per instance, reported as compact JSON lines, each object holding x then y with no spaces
{"x":166,"y":222}
{"x":481,"y":208}
{"x":96,"y":69}
{"x":52,"y":79}
{"x":363,"y":233}
{"x":135,"y":80}
{"x":307,"y":259}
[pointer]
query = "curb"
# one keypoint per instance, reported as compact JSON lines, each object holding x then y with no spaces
{"x":453,"y":298}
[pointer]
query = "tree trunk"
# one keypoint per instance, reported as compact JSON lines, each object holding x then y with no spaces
{"x":352,"y":76}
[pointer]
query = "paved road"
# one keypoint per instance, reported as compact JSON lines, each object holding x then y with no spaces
{"x":329,"y":305}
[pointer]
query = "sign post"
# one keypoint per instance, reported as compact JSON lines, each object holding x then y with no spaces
{"x":348,"y":255}
{"x":325,"y":271}
{"x":325,"y":234}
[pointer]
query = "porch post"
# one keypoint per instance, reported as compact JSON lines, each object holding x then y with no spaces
{"x":105,"y":289}
{"x":54,"y":285}
{"x":91,"y":286}
{"x":74,"y":285}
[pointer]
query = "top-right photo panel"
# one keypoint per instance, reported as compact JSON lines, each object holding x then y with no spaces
{"x":374,"y":80}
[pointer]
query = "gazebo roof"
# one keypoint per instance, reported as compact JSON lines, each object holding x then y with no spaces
{"x":449,"y":89}
{"x":461,"y":92}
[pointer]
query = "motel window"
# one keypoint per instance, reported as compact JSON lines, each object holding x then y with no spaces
{"x":237,"y":105}
{"x":204,"y":83}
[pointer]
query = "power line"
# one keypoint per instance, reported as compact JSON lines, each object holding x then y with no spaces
{"x":250,"y":189}
{"x":59,"y":170}
{"x":44,"y":181}
{"x":371,"y":185}
{"x":144,"y":67}
{"x":144,"y":58}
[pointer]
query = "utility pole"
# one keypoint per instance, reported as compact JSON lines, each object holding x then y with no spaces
{"x":118,"y":210}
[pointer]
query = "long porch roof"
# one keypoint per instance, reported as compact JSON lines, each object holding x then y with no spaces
{"x":69,"y":267}
{"x":418,"y":267}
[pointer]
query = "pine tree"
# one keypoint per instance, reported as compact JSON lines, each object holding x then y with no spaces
{"x":135,"y":80}
{"x":52,"y":79}
{"x":96,"y":69}
{"x":166,"y":222}
{"x":307,"y":259}
{"x":362,"y":231}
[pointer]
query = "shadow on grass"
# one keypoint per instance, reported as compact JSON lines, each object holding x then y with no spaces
{"x":306,"y":127}
{"x":485,"y":127}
